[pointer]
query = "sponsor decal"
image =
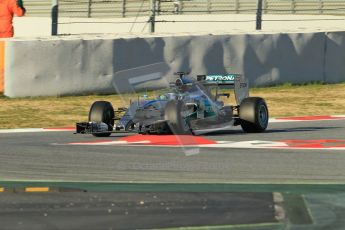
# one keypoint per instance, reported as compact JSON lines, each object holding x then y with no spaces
{"x":221,"y":78}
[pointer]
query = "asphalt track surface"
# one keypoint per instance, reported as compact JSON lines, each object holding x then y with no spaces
{"x":48,"y":157}
{"x":123,"y":210}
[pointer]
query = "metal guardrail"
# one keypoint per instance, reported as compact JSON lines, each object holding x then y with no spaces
{"x":151,"y":8}
{"x":133,"y":8}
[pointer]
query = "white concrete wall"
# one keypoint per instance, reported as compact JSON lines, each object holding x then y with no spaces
{"x":70,"y":66}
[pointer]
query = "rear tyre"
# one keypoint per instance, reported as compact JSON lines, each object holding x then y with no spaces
{"x":254,"y":115}
{"x":102,"y":111}
{"x":174,"y":113}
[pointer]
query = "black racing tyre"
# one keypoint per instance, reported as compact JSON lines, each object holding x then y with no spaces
{"x":254,"y":115}
{"x":102,"y":111}
{"x":173,"y":112}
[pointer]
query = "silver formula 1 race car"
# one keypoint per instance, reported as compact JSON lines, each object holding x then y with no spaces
{"x":188,"y":106}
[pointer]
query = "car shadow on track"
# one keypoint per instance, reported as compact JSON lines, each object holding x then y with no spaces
{"x":286,"y":130}
{"x":241,"y":132}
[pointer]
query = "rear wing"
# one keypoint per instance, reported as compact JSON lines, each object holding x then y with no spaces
{"x":235,"y":81}
{"x":228,"y":79}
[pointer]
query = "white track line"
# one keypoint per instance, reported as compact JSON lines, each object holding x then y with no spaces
{"x":34,"y":130}
{"x":28,"y":130}
{"x":282,"y":120}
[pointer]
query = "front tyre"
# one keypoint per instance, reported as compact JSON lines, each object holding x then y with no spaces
{"x":174,"y":113}
{"x":253,"y":113}
{"x":102,"y":111}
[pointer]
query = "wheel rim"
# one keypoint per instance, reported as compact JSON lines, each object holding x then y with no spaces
{"x":263,"y":116}
{"x":185,"y":125}
{"x":179,"y":121}
{"x":131,"y":126}
{"x":184,"y":122}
